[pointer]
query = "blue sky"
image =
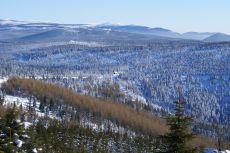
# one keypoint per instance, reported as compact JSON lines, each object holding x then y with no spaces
{"x":177,"y":15}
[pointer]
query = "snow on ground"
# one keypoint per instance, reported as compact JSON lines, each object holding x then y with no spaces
{"x":18,"y":101}
{"x":2,"y":80}
{"x":129,"y":93}
{"x":18,"y":142}
{"x":85,"y":43}
{"x":104,"y":126}
{"x":35,"y":150}
{"x":125,"y":90}
{"x":25,"y":103}
{"x":27,"y":125}
{"x":211,"y":150}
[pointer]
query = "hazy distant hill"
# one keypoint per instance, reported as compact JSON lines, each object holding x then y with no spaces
{"x":218,"y":37}
{"x":157,"y":31}
{"x":197,"y":35}
{"x":89,"y":34}
{"x":13,"y":29}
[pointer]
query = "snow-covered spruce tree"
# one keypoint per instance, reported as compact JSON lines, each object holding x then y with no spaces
{"x":176,"y":141}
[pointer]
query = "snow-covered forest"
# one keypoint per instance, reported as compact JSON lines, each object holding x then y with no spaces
{"x":141,"y":71}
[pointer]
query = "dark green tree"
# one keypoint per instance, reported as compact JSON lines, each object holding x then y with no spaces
{"x":176,"y":141}
{"x":43,"y":103}
{"x":1,"y":99}
{"x":10,"y":128}
{"x":51,"y":104}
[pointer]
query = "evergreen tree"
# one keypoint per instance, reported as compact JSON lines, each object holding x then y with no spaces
{"x":176,"y":141}
{"x":10,"y":129}
{"x":51,"y":104}
{"x":42,"y":104}
{"x":1,"y":99}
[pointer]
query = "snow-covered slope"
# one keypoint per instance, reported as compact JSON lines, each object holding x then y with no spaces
{"x":2,"y":80}
{"x":211,"y":150}
{"x":25,"y":103}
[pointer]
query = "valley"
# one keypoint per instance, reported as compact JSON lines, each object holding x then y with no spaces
{"x":116,"y":78}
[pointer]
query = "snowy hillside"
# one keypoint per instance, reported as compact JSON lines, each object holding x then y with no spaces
{"x":136,"y":66}
{"x":26,"y":103}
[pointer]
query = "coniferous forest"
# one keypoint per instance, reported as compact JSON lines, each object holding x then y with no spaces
{"x":57,"y":119}
{"x":112,"y":88}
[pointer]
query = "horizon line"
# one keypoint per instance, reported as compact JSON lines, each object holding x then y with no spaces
{"x":109,"y":23}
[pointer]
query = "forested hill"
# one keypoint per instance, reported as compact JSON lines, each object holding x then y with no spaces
{"x":120,"y":114}
{"x":67,"y":116}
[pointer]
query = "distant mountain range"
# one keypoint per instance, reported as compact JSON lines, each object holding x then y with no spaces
{"x":13,"y":29}
{"x":157,"y":31}
{"x":206,"y":36}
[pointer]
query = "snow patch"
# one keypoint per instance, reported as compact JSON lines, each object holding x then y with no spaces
{"x":35,"y":150}
{"x":27,"y":124}
{"x":212,"y":150}
{"x":18,"y":142}
{"x":2,"y":80}
{"x":25,"y":104}
{"x":18,"y":101}
{"x":84,"y":43}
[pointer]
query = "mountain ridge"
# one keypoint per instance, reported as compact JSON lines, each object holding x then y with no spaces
{"x":16,"y":26}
